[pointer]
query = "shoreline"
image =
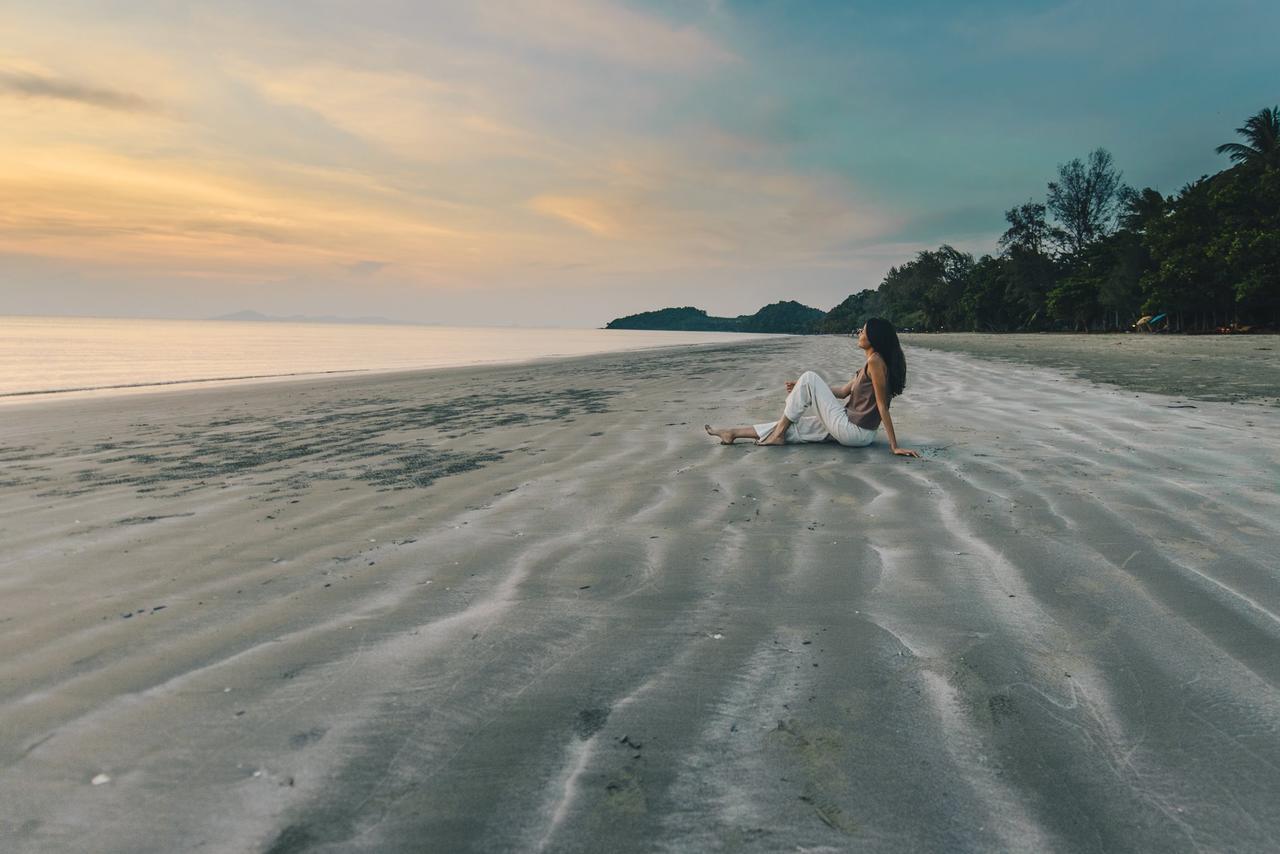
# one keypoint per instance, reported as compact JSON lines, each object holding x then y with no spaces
{"x":1135,"y":366}
{"x":502,"y":607}
{"x":127,"y":391}
{"x":44,"y":357}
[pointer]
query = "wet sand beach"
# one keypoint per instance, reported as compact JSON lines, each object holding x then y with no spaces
{"x":536,"y":608}
{"x":1226,"y":368}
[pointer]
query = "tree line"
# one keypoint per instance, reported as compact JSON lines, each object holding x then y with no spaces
{"x":1096,"y":254}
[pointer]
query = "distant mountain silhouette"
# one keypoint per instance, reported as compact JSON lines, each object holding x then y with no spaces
{"x":789,"y":317}
{"x":257,"y":316}
{"x":686,"y":319}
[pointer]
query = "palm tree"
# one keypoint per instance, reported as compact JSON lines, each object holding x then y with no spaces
{"x":1263,"y":135}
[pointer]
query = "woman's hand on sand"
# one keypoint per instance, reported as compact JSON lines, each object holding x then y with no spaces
{"x":906,"y":452}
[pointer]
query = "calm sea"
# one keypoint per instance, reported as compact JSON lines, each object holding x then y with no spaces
{"x":42,"y":357}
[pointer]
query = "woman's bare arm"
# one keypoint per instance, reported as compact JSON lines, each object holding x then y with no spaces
{"x":880,"y":383}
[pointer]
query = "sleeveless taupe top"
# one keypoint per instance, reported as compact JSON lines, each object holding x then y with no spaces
{"x":861,"y":408}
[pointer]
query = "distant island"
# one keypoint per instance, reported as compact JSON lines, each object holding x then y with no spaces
{"x":259,"y":317}
{"x":787,"y":317}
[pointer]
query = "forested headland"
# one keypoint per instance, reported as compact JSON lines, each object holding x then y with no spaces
{"x":1094,"y":255}
{"x":788,"y":317}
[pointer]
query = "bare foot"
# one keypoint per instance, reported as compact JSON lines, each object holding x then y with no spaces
{"x":722,"y":435}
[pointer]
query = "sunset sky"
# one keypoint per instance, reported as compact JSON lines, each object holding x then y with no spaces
{"x":563,"y":162}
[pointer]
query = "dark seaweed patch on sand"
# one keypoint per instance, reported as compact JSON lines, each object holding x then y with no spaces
{"x":390,"y":442}
{"x":392,"y":438}
{"x":422,"y":468}
{"x":300,"y":740}
{"x":143,"y":520}
{"x":589,"y":722}
{"x":292,"y":839}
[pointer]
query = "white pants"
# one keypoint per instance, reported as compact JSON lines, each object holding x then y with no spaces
{"x":831,"y":418}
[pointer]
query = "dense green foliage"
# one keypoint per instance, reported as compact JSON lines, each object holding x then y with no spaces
{"x":1095,"y":255}
{"x":789,"y":317}
{"x":851,"y":313}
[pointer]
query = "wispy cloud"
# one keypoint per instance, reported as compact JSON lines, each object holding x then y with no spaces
{"x":28,"y":85}
{"x":609,"y":31}
{"x":76,"y":202}
{"x":402,"y":112}
{"x":590,"y":215}
{"x":674,"y":208}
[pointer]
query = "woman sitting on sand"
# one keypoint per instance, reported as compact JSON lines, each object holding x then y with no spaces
{"x":852,"y":422}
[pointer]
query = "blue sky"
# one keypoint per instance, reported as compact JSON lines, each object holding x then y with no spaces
{"x":566,"y":162}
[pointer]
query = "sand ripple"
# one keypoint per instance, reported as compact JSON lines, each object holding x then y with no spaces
{"x":600,"y":631}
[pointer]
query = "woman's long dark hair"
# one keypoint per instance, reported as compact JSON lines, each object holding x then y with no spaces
{"x":884,"y":340}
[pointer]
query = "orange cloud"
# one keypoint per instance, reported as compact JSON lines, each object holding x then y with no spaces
{"x":79,"y":202}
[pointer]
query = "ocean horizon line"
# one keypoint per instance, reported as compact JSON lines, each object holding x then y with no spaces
{"x":318,"y":320}
{"x":55,"y":357}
